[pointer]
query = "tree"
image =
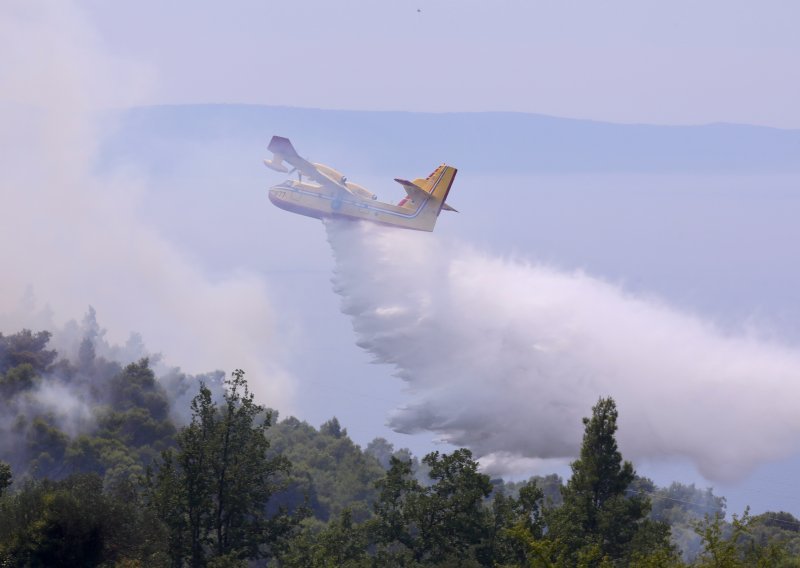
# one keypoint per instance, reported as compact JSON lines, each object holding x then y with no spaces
{"x":599,"y":520}
{"x":18,"y":379}
{"x":452,"y":517}
{"x":26,"y":347}
{"x":681,"y":507}
{"x":720,"y":549}
{"x":212,"y":490}
{"x":342,"y":544}
{"x":516,"y":524}
{"x":5,"y":477}
{"x":73,"y":522}
{"x":382,"y":450}
{"x":330,"y":473}
{"x":743,"y":541}
{"x":396,"y":489}
{"x":439,"y":523}
{"x":333,"y":428}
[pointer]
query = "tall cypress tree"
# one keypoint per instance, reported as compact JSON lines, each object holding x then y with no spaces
{"x":600,"y":518}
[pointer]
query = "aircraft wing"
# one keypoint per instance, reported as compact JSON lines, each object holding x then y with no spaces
{"x":284,"y":151}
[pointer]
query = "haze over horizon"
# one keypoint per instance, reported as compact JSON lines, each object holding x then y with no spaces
{"x":624,"y":61}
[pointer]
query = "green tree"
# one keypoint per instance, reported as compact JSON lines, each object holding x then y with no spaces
{"x":444,"y":522}
{"x":451,"y":516}
{"x":681,"y":507}
{"x":720,"y":541}
{"x":330,"y":473}
{"x":393,"y":530}
{"x":763,"y":541}
{"x":382,"y":450}
{"x":212,"y":490}
{"x":47,"y":445}
{"x":777,"y":530}
{"x":74,"y":522}
{"x":515,"y":523}
{"x":18,"y":379}
{"x":26,"y":347}
{"x":599,"y":519}
{"x":342,"y":544}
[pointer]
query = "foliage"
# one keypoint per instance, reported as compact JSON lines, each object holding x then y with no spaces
{"x":720,"y":541}
{"x":550,"y":485}
{"x":449,"y":514}
{"x":600,"y":520}
{"x":73,"y":522}
{"x":80,"y":434}
{"x":768,"y":540}
{"x":681,"y":507}
{"x":212,"y":490}
{"x":26,"y":348}
{"x":330,"y":474}
{"x":444,"y":521}
{"x":341,"y":543}
{"x":781,"y":530}
{"x":383,"y":451}
{"x":517,"y":526}
{"x":95,"y":417}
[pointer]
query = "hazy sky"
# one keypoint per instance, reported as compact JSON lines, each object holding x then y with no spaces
{"x":673,"y":62}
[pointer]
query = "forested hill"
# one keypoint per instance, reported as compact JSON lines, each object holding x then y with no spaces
{"x":486,"y":142}
{"x":100,"y":466}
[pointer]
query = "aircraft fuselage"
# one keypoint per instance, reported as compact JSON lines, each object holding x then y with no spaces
{"x":316,"y":201}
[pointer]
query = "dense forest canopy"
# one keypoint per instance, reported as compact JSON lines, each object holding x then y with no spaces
{"x":100,"y":466}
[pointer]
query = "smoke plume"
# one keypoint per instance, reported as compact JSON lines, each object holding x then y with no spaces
{"x":506,"y":356}
{"x":77,"y":237}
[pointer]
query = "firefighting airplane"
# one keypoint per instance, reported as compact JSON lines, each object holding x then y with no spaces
{"x":326,"y":193}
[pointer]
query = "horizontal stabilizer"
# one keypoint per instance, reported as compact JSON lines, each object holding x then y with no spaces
{"x":416,"y":193}
{"x":411,"y":188}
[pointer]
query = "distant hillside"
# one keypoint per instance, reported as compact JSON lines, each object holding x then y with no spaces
{"x":484,"y":142}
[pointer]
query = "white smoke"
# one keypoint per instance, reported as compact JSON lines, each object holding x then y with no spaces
{"x":506,"y":357}
{"x":81,"y":238}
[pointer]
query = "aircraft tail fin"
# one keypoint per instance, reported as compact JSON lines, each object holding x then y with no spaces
{"x":429,"y":194}
{"x":438,"y":185}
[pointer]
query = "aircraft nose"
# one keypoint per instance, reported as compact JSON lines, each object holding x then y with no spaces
{"x":277,"y":195}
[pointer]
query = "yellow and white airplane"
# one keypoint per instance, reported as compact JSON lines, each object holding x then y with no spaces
{"x":326,"y":193}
